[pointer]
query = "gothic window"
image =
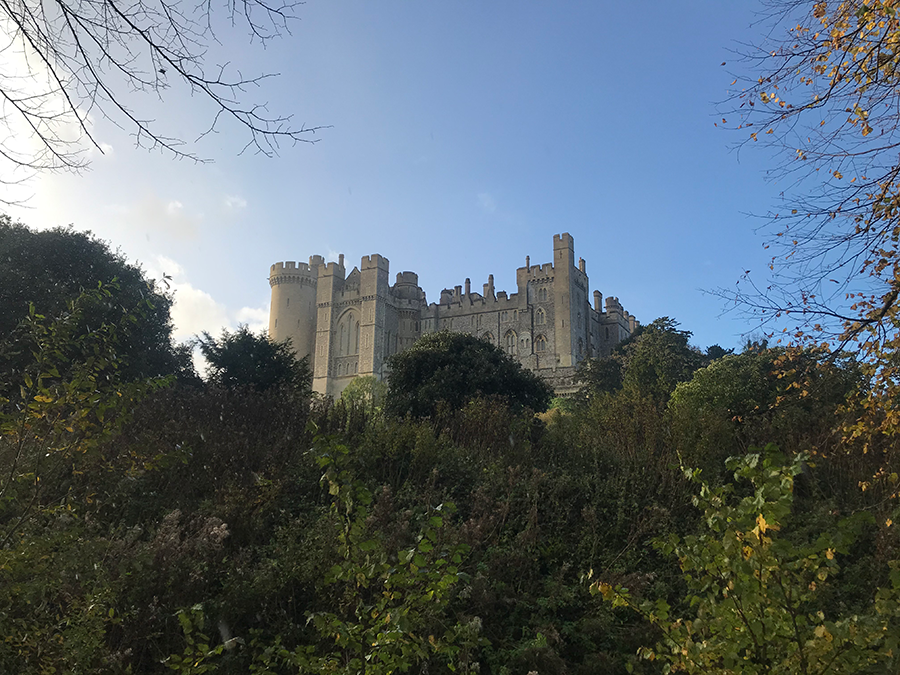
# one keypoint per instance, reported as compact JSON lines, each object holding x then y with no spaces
{"x":580,"y":346}
{"x":348,"y":335}
{"x":539,"y":317}
{"x":526,"y":346}
{"x":540,"y":344}
{"x":478,"y":320}
{"x":504,"y":315}
{"x":489,"y":337}
{"x":514,"y":315}
{"x":542,"y":295}
{"x":510,"y":342}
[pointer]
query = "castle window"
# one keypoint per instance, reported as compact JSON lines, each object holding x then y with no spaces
{"x":542,"y":295}
{"x":539,"y":317}
{"x":348,"y":335}
{"x":504,"y":315}
{"x":526,"y":344}
{"x":579,"y":319}
{"x":540,"y":344}
{"x":489,"y":337}
{"x":514,"y":315}
{"x":478,"y":320}
{"x":511,"y":342}
{"x":288,"y":302}
{"x":580,"y":346}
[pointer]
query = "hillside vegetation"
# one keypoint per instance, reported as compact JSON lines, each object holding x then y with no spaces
{"x":169,"y":524}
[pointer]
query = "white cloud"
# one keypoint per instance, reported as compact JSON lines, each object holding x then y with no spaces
{"x":235,"y":202}
{"x":165,"y":266}
{"x":195,"y":311}
{"x":256,"y":318}
{"x":487,"y":202}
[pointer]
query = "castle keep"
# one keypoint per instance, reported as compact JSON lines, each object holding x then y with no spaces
{"x":349,"y":324}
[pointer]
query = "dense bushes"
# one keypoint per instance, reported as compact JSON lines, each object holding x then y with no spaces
{"x":190,"y":528}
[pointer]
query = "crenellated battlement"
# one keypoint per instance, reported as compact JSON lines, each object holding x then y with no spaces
{"x":291,"y":272}
{"x":333,"y":269}
{"x":408,"y":278}
{"x":290,"y":267}
{"x":538,"y":271}
{"x":564,"y":240}
{"x":374,"y":261}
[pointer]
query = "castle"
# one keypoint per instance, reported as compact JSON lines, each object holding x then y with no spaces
{"x":350,"y":324}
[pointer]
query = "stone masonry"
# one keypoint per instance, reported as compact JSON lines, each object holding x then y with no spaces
{"x":350,"y":324}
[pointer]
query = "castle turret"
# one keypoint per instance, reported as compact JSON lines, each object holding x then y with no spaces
{"x":564,"y":314}
{"x":293,"y":308}
{"x":330,"y":283}
{"x":378,"y":344}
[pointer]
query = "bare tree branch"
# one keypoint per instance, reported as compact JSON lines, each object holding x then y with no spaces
{"x":65,"y":60}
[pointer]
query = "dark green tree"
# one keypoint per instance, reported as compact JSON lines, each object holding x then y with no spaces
{"x":245,"y":359}
{"x":745,"y":399}
{"x":657,"y":358}
{"x":455,"y":368}
{"x":598,"y":376}
{"x":50,"y":268}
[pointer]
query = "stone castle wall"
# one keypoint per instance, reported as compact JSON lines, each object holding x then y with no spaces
{"x":350,"y":324}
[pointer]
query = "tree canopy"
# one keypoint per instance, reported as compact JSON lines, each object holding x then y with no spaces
{"x":245,"y":359}
{"x":49,"y":269}
{"x":823,"y":89}
{"x":650,"y":363}
{"x":455,"y":368}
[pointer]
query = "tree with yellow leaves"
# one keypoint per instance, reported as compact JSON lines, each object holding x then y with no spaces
{"x":826,"y":90}
{"x":756,"y":586}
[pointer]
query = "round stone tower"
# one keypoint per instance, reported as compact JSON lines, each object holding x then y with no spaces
{"x":293,"y":310}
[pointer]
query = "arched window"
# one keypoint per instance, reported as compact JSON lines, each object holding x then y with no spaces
{"x":526,"y":344}
{"x":510,"y":341}
{"x":539,"y":317}
{"x":348,"y":335}
{"x":580,"y":346}
{"x":504,"y":315}
{"x":540,"y":344}
{"x":542,"y":295}
{"x":489,"y":337}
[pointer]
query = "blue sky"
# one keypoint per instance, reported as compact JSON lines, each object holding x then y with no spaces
{"x":462,"y":137}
